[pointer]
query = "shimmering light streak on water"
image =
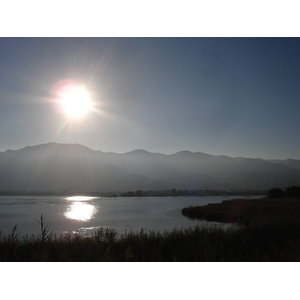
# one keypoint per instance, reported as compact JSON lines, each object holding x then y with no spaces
{"x":80,"y":198}
{"x":80,"y":211}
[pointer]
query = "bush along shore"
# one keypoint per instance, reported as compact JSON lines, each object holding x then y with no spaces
{"x":269,"y":231}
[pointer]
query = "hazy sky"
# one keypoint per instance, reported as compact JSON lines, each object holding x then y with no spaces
{"x":222,"y":96}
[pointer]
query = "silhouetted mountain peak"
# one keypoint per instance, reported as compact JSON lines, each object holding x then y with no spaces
{"x":139,"y":152}
{"x":54,"y":147}
{"x":184,"y":152}
{"x":9,"y":151}
{"x":189,"y":154}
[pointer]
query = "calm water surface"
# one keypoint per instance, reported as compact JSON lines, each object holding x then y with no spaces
{"x":81,"y":214}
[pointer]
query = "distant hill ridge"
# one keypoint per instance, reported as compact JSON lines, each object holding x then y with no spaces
{"x":55,"y":167}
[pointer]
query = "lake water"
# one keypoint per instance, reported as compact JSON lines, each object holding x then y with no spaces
{"x":84,"y":215}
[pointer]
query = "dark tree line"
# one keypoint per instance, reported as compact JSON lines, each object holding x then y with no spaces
{"x":291,"y":191}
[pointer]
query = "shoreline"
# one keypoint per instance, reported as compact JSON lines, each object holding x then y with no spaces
{"x":243,"y":211}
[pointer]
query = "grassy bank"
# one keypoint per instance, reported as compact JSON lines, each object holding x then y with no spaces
{"x":246,"y":211}
{"x":265,"y":239}
{"x":197,"y":244}
{"x":270,"y":231}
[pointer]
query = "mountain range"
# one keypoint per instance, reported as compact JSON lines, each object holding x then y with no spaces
{"x":72,"y":168}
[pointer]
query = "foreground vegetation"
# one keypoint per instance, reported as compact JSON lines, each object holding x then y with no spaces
{"x":269,"y":231}
{"x":272,"y":233}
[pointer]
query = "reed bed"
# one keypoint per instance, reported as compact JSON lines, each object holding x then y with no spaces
{"x":269,"y":231}
{"x":264,"y":240}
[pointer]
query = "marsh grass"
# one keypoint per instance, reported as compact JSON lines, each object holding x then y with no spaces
{"x":270,"y":231}
{"x":244,"y":211}
{"x":262,"y":242}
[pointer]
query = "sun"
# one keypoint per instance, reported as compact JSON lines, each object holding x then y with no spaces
{"x":75,"y":101}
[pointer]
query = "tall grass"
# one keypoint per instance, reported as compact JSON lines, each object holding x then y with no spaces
{"x":268,"y":240}
{"x":270,"y":231}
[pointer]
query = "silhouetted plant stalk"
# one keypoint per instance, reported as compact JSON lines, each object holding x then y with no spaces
{"x":12,"y":237}
{"x":46,"y":234}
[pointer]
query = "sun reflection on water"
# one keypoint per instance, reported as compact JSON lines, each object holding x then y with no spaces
{"x":80,"y":198}
{"x":79,"y":209}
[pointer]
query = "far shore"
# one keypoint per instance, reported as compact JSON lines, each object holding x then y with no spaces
{"x":138,"y":193}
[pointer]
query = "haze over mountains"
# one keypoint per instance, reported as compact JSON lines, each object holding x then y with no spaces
{"x":75,"y":168}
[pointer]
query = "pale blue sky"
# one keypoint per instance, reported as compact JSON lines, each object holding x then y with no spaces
{"x":222,"y":96}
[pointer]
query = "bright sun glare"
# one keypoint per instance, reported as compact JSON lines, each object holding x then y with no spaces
{"x":75,"y":101}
